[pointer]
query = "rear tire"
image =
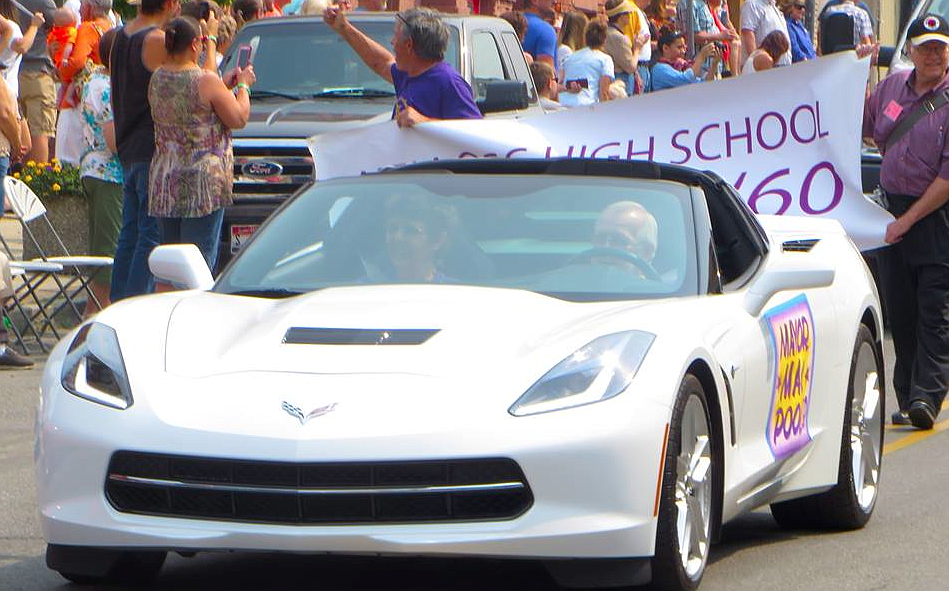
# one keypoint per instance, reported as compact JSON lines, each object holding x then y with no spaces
{"x":684,"y":531}
{"x":850,"y":503}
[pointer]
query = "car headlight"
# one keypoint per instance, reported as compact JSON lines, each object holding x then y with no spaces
{"x":597,"y":371}
{"x":93,"y":368}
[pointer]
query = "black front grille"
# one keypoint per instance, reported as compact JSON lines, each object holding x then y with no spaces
{"x":323,"y":493}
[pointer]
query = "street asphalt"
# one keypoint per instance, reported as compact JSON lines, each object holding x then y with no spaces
{"x":901,"y":548}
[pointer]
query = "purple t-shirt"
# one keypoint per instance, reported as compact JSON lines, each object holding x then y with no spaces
{"x":438,"y":92}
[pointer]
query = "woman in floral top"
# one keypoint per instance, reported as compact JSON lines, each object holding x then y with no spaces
{"x":100,"y":170}
{"x":193,"y":166}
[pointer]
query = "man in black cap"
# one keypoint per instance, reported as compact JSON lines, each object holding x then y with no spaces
{"x":907,"y":117}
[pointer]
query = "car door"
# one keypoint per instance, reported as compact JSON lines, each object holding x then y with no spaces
{"x":772,"y":360}
{"x":781,"y":413}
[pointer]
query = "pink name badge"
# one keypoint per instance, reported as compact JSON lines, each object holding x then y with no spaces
{"x":892,"y":111}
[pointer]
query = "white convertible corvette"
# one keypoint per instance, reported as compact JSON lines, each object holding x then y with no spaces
{"x":585,"y":362}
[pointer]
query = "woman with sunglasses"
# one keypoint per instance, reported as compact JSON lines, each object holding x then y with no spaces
{"x":801,"y":46}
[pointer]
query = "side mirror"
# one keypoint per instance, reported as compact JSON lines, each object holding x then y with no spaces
{"x":503,"y":95}
{"x":786,"y":275}
{"x":182,"y":265}
{"x":886,"y":56}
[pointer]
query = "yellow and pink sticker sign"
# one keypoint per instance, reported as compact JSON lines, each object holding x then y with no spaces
{"x":792,"y":335}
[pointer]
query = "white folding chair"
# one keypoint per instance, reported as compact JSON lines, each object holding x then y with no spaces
{"x":4,"y":316}
{"x":27,"y":277}
{"x":28,"y":208}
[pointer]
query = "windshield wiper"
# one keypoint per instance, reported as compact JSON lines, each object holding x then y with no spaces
{"x":276,"y":93}
{"x":354,"y":91}
{"x":273,"y":293}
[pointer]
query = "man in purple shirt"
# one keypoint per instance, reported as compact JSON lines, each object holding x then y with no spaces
{"x":426,"y":88}
{"x":915,"y":177}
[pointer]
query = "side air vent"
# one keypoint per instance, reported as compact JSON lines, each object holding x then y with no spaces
{"x":358,"y":336}
{"x":799,"y":245}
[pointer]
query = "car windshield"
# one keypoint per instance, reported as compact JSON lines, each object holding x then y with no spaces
{"x":575,"y":238}
{"x":306,"y":59}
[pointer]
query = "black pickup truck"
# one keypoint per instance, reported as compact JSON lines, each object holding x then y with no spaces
{"x":309,"y":81}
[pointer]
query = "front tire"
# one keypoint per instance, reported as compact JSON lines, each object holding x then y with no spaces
{"x":684,"y":531}
{"x":850,"y":503}
{"x":90,"y":566}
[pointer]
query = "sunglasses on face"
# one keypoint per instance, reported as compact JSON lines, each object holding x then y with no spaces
{"x":613,"y":240}
{"x":405,"y":228}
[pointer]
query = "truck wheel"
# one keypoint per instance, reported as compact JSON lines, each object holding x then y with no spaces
{"x":850,"y":503}
{"x":683,"y":536}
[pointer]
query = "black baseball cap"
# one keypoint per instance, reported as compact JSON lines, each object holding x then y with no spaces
{"x":929,"y":27}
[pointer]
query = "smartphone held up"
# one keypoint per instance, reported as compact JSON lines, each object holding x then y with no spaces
{"x":243,"y":56}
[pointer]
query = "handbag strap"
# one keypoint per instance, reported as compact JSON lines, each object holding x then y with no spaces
{"x":913,"y":117}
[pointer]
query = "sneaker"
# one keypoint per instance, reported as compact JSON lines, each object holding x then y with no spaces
{"x":901,"y":417}
{"x":10,"y":359}
{"x":922,"y":414}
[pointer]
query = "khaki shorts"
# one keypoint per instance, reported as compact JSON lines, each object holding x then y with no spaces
{"x":38,"y":102}
{"x":6,"y":281}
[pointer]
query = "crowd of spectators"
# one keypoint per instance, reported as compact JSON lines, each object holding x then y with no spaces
{"x":658,"y":44}
{"x":147,"y":125}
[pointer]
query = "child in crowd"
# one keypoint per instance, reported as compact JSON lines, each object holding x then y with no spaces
{"x":60,"y":42}
{"x":62,"y":36}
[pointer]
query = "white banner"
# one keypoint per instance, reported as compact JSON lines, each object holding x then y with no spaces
{"x":788,"y":139}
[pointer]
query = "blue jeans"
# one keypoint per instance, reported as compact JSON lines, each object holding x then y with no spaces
{"x":646,"y":76}
{"x":4,"y":167}
{"x":203,"y":232}
{"x":137,"y":238}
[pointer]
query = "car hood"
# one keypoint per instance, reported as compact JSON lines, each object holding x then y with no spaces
{"x":303,"y":119}
{"x":474,"y":328}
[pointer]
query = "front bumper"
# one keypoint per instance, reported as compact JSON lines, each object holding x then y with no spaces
{"x":592,"y":471}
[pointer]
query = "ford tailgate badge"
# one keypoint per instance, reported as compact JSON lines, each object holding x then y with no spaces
{"x":261,"y":169}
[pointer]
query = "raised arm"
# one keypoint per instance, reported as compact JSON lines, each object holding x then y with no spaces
{"x":232,"y":108}
{"x":22,"y":44}
{"x":209,"y":30}
{"x":378,"y":58}
{"x":703,"y":54}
